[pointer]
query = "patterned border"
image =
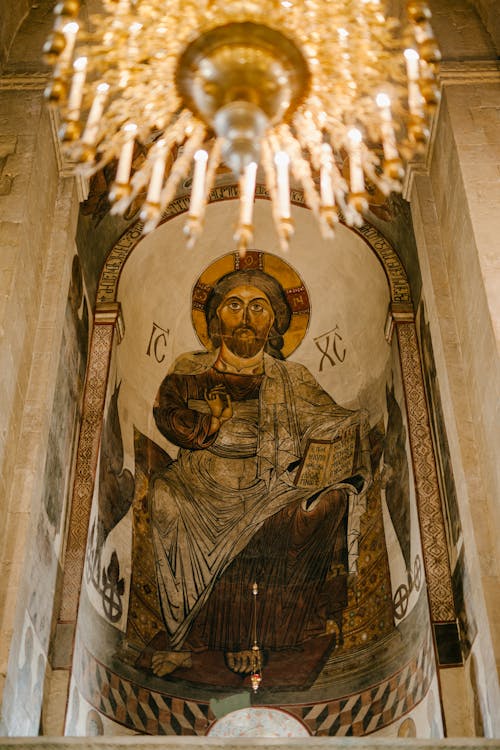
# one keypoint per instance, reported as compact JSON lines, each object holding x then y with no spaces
{"x":366,"y":712}
{"x":156,"y":713}
{"x":435,"y":550}
{"x":86,"y":464}
{"x":396,"y":275}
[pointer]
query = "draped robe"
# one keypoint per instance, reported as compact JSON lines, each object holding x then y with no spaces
{"x":235,"y":488}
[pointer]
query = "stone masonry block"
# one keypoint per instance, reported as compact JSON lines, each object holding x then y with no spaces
{"x":459,"y":30}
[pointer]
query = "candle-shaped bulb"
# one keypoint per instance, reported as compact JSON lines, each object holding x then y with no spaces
{"x":326,"y":183}
{"x":76,"y":91}
{"x":387,"y":127}
{"x":80,"y":63}
{"x":248,"y":191}
{"x":126,"y":153}
{"x":382,"y":100}
{"x":92,"y":127}
{"x":355,"y":136}
{"x":198,"y":187}
{"x":157,"y":172}
{"x":70,"y":30}
{"x":282,"y":160}
{"x":412,"y":58}
{"x":355,"y":164}
{"x":415,"y":100}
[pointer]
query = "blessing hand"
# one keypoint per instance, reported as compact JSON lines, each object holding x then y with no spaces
{"x":219,"y":402}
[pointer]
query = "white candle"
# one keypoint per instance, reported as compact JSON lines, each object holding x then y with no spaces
{"x":388,"y":136}
{"x":282,"y":160}
{"x":343,"y":35}
{"x":134,"y":29}
{"x":326,"y":185}
{"x":157,"y":173}
{"x":198,"y":187}
{"x":92,"y":127}
{"x":126,"y":153}
{"x":76,"y":91}
{"x":70,"y":30}
{"x":248,"y":192}
{"x":412,"y":71}
{"x":412,"y":58}
{"x":355,"y":163}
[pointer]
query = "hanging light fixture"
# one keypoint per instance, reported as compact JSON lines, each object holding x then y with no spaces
{"x":287,"y":89}
{"x":256,"y":657}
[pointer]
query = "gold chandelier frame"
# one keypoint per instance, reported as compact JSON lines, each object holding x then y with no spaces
{"x":313,"y":93}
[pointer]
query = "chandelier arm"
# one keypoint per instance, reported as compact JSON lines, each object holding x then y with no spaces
{"x":181,"y":166}
{"x":301,"y":170}
{"x":214,"y":161}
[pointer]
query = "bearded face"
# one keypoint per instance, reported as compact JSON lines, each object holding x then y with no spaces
{"x":245,"y":318}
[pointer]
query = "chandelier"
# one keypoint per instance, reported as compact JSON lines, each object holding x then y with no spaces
{"x":318,"y":94}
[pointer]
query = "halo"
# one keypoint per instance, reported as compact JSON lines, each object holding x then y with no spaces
{"x":254,"y":260}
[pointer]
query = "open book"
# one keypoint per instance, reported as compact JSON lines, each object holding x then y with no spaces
{"x":328,"y":461}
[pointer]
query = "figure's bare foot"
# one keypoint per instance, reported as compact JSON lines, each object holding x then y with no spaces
{"x":165,"y":662}
{"x":243,"y":662}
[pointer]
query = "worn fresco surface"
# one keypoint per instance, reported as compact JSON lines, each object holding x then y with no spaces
{"x":254,"y":433}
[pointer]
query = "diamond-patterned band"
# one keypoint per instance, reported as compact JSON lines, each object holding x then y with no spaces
{"x":157,"y":713}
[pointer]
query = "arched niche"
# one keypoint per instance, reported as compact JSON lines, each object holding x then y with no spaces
{"x":378,"y":640}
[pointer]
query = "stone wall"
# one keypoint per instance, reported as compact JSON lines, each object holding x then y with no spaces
{"x":11,"y":16}
{"x":38,"y":217}
{"x":457,"y":224}
{"x":456,"y":221}
{"x":488,"y":11}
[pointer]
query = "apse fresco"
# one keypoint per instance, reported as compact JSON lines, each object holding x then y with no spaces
{"x":253,"y":513}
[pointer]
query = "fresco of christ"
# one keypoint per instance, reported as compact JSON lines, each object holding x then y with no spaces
{"x":229,"y":509}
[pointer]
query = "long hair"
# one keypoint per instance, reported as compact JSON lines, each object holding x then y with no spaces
{"x":273,"y":291}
